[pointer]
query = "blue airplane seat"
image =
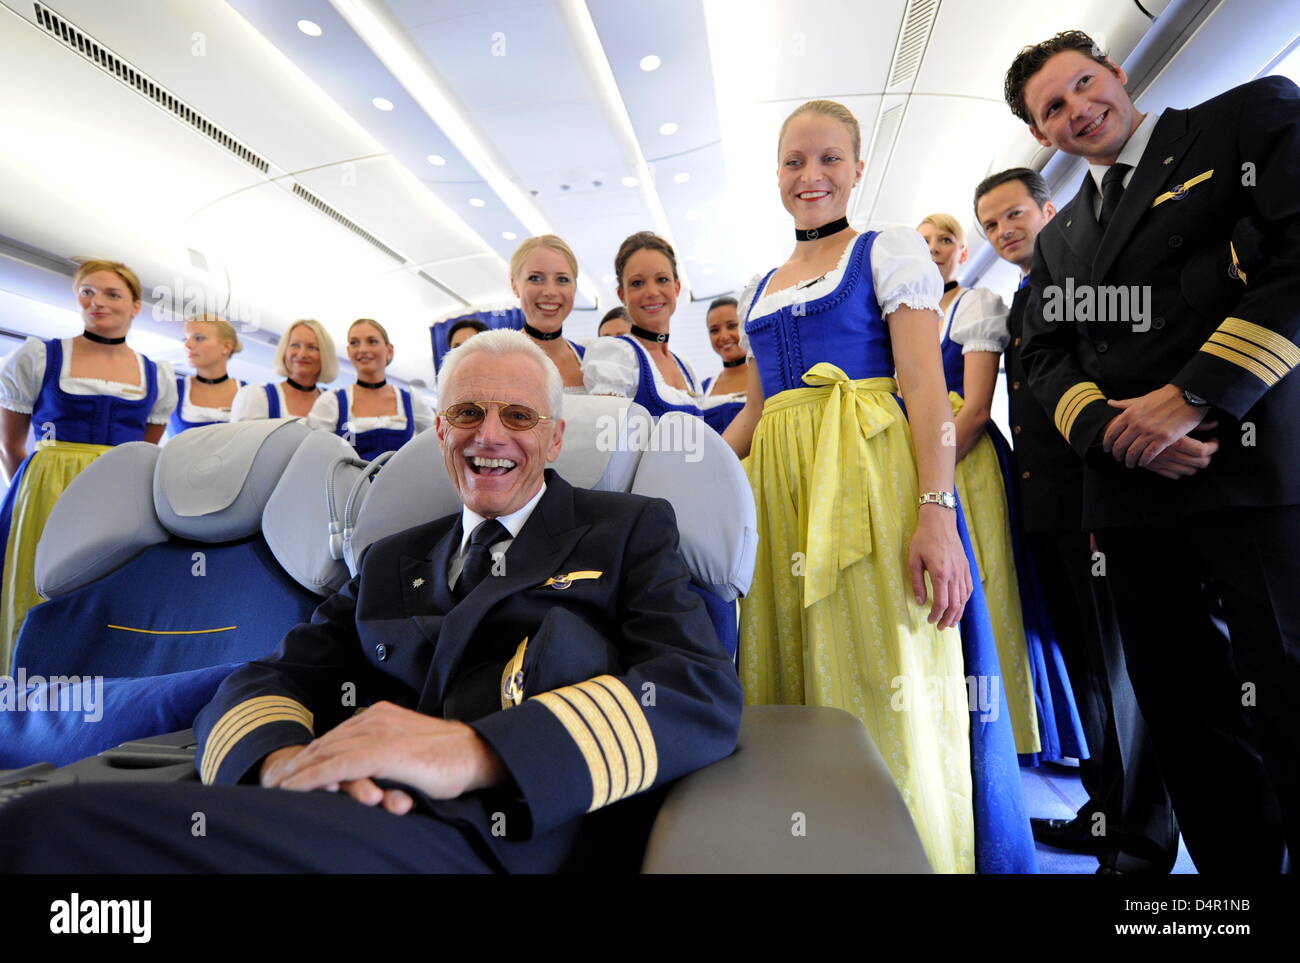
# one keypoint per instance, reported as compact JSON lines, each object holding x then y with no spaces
{"x":171,"y":565}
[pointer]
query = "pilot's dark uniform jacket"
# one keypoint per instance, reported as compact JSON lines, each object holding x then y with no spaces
{"x":589,"y":665}
{"x":1209,"y":224}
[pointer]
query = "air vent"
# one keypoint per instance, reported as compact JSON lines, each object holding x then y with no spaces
{"x":347,"y":222}
{"x":881,"y":150}
{"x":111,"y":63}
{"x":918,"y":20}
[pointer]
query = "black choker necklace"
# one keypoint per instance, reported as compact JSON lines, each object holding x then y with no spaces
{"x":100,"y":339}
{"x":211,"y":381}
{"x":733,"y":364}
{"x":948,"y":286}
{"x":542,"y":335}
{"x":371,"y":384}
{"x":826,"y":230}
{"x":641,"y":332}
{"x":293,"y":384}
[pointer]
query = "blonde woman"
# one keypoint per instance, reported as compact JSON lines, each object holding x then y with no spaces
{"x":205,"y":397}
{"x":862,"y":576}
{"x":544,"y":277}
{"x":81,"y":396}
{"x":305,"y":358}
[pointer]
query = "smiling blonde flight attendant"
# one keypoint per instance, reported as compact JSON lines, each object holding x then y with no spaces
{"x":372,"y":415}
{"x":83,"y":395}
{"x":543,"y":275}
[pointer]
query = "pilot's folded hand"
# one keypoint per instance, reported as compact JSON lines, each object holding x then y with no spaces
{"x":442,"y":758}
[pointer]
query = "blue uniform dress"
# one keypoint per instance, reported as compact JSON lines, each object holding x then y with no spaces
{"x":73,"y":430}
{"x":720,"y":414}
{"x":272,"y":401}
{"x":1042,"y":704}
{"x":371,"y":444}
{"x":176,"y":424}
{"x":647,"y":392}
{"x":831,"y":619}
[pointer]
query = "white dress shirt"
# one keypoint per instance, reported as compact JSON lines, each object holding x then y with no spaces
{"x":470,"y":520}
{"x":1131,"y":155}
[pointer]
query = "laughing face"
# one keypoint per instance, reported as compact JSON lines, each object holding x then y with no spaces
{"x":496,"y":469}
{"x":545,"y":286}
{"x":1080,"y":107}
{"x":817,"y":171}
{"x":649,"y":289}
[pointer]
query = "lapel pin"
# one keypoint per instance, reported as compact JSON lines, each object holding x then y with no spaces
{"x":1167,"y":160}
{"x":417,"y":583}
{"x":1068,"y":223}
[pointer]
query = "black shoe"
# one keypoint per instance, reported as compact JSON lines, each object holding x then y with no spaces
{"x":1068,"y":834}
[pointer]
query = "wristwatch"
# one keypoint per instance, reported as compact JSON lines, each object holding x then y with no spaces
{"x":1196,"y":401}
{"x":946,"y":499}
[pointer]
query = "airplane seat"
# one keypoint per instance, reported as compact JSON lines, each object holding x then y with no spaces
{"x":160,"y":582}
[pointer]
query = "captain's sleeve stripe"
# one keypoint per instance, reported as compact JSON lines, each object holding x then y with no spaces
{"x":610,"y":730}
{"x":1241,"y":361}
{"x":1074,"y":401}
{"x":1285,"y":351}
{"x":1253,"y":351}
{"x":244,"y":718}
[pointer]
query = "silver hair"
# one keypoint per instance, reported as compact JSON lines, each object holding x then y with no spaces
{"x":500,"y":342}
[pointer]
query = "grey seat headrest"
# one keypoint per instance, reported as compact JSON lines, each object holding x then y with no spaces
{"x":688,"y":464}
{"x":295,"y":522}
{"x":104,"y":519}
{"x":212,"y":483}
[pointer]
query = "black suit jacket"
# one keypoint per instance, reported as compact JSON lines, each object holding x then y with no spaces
{"x":1210,"y":222}
{"x":625,"y":685}
{"x":1049,"y":473}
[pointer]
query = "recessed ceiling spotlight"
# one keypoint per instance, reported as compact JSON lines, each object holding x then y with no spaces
{"x":382,"y":103}
{"x":309,"y":28}
{"x":650,"y":62}
{"x":668,"y":129}
{"x":597,"y":183}
{"x":477,"y":202}
{"x":509,"y":235}
{"x":682,"y":177}
{"x":630,"y":182}
{"x":437,"y":160}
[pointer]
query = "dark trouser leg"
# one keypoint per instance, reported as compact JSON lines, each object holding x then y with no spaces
{"x":141,"y":828}
{"x":1182,"y":674}
{"x":1251,"y":553}
{"x":1121,"y":778}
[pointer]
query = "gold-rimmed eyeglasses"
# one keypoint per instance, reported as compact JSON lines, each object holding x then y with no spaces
{"x":470,"y":414}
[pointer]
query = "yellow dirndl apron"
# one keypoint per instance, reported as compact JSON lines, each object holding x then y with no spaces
{"x":830,"y":619}
{"x":50,"y":470}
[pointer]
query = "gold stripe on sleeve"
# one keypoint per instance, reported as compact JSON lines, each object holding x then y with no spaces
{"x":1265,"y":338}
{"x":577,"y":729}
{"x":1250,"y":349}
{"x":1074,"y":401}
{"x":240,"y":720}
{"x":1241,"y":361}
{"x":645,"y":739}
{"x":585,"y":704}
{"x":629,"y":747}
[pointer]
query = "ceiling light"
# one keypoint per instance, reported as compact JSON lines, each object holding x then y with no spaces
{"x":681,"y":177}
{"x":630,"y":182}
{"x":509,"y":235}
{"x":650,"y":62}
{"x":437,"y":160}
{"x":309,"y":28}
{"x":477,"y":202}
{"x":668,"y":129}
{"x":382,"y":103}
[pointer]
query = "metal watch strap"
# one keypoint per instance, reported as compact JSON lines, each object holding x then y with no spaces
{"x":946,"y":499}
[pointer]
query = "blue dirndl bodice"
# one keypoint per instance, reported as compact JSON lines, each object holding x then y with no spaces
{"x":647,"y":392}
{"x":371,"y":444}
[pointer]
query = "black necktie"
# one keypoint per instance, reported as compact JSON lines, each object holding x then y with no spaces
{"x":1112,"y":192}
{"x":478,"y":556}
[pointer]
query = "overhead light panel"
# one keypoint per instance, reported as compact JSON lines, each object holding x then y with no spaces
{"x":650,"y":62}
{"x":668,"y":129}
{"x":382,"y":103}
{"x":309,"y":28}
{"x":437,"y":160}
{"x":389,"y":42}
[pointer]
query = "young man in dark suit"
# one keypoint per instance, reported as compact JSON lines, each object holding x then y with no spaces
{"x":1162,"y":323}
{"x":1128,"y":819}
{"x":536,"y":657}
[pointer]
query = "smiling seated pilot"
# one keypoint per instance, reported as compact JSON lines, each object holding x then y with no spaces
{"x":527,"y":661}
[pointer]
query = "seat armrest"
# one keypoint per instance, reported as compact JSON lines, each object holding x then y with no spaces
{"x":805,"y":792}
